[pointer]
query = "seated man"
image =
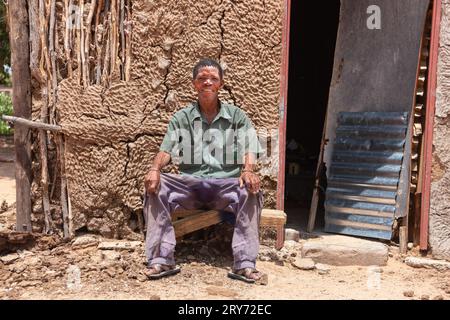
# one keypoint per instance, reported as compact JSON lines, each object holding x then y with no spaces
{"x":218,"y":146}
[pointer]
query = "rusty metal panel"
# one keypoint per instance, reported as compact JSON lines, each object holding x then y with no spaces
{"x":362,"y":197}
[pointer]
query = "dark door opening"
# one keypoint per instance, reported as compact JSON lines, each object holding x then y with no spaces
{"x":313,"y":32}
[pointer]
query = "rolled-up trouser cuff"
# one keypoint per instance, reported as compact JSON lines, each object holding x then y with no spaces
{"x":244,"y":264}
{"x":159,"y":260}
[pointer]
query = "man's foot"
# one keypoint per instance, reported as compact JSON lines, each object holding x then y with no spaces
{"x":249,"y":275}
{"x":158,"y":271}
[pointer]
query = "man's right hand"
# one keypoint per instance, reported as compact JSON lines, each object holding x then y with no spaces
{"x":152,"y":181}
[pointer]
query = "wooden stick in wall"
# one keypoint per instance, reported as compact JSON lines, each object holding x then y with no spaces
{"x":128,"y":42}
{"x":98,"y":37}
{"x":67,"y":35}
{"x":82,"y":39}
{"x":64,"y":203}
{"x":87,"y":44}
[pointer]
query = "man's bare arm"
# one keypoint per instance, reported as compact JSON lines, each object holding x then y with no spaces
{"x":161,"y":160}
{"x":248,"y":176}
{"x":153,"y":177}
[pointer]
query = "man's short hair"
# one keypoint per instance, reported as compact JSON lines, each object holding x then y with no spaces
{"x":206,"y":62}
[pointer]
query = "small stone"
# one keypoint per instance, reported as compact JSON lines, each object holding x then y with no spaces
{"x":264,"y":258}
{"x":292,"y":234}
{"x":375,"y":269}
{"x":264,"y":280}
{"x":439,"y":297}
{"x":29,"y":283}
{"x":410,"y":245}
{"x":142,"y":278}
{"x":110,"y":272}
{"x":84,"y":242}
{"x":323,"y":268}
{"x":119,"y":245}
{"x":418,"y":262}
{"x":425,"y":297}
{"x":155,"y":297}
{"x":408,"y":293}
{"x":304,"y":264}
{"x":33,"y":261}
{"x":10,"y":258}
{"x":111,"y":255}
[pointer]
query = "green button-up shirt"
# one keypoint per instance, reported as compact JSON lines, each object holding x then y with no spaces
{"x":213,"y":150}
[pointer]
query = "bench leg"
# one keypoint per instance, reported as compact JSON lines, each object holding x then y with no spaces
{"x":280,"y":237}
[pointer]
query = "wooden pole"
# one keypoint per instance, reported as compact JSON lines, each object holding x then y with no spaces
{"x":64,"y":199}
{"x":87,"y":44}
{"x":35,"y":41}
{"x":67,"y":43}
{"x":21,"y":81}
{"x":31,"y":124}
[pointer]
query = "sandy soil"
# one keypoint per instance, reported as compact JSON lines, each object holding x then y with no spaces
{"x":54,"y":269}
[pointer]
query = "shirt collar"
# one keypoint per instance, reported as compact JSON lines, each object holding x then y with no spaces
{"x":223,"y":112}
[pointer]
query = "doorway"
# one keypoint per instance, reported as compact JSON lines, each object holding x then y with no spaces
{"x":313,"y":32}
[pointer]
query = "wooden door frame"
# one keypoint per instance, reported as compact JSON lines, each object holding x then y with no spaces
{"x":284,"y":76}
{"x":429,"y":124}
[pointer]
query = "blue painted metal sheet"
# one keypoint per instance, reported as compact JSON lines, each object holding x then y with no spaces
{"x":362,"y":196}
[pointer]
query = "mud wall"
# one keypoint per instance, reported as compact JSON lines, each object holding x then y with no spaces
{"x":112,"y":131}
{"x":440,"y":186}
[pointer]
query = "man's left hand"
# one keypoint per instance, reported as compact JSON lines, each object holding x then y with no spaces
{"x":250,"y":180}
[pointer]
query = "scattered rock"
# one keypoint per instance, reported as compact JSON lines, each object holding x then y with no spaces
{"x":291,"y":234}
{"x":110,"y":255}
{"x":142,"y":278}
{"x":375,"y":269}
{"x":408,"y":293}
{"x":219,"y":291}
{"x":119,"y":245}
{"x":18,"y":267}
{"x":10,"y":258}
{"x":439,"y":297}
{"x":32,"y":261}
{"x":304,"y":264}
{"x":345,"y":251}
{"x":25,"y":284}
{"x":323,"y":268}
{"x":264,"y":280}
{"x":417,"y":262}
{"x":424,"y":297}
{"x":155,"y":297}
{"x":84,"y":242}
{"x":110,"y":272}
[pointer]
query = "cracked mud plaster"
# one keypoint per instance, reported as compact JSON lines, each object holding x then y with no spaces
{"x":113,"y":133}
{"x":440,"y":186}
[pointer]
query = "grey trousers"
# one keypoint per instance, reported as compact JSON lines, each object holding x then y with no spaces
{"x":189,"y":192}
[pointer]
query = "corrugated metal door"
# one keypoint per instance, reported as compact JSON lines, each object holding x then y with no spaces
{"x":363,"y":184}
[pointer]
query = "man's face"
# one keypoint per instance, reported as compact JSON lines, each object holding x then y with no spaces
{"x":207,"y":83}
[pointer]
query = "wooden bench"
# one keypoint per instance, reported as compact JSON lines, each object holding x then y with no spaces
{"x":188,"y":221}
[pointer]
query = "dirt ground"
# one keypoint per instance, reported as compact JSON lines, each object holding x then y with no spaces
{"x":50,"y":268}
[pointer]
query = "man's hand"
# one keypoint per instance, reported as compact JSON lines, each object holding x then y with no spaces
{"x":152,"y":181}
{"x":250,"y":180}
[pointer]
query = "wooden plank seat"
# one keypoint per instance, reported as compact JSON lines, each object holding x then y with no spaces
{"x":187,"y":221}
